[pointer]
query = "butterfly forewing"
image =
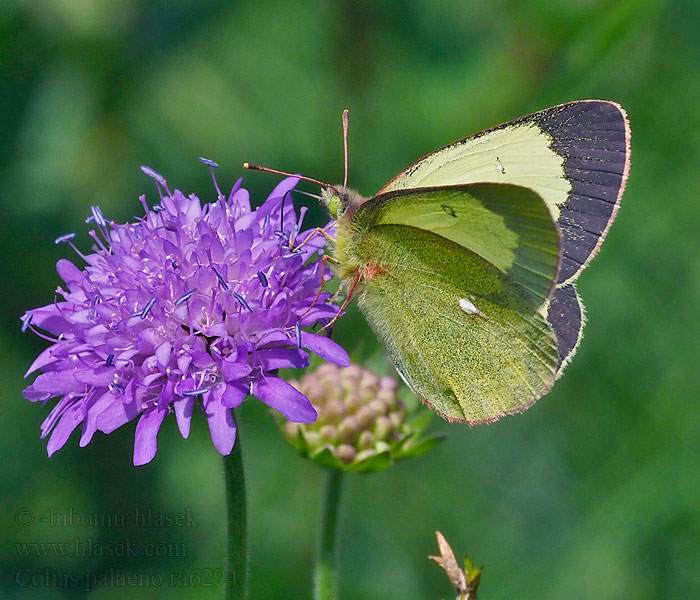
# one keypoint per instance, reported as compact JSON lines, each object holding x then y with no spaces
{"x":564,"y":311}
{"x":575,"y":155}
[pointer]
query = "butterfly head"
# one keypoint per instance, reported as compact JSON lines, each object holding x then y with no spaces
{"x":341,"y":201}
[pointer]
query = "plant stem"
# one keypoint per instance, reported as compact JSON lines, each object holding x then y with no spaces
{"x":326,"y":573}
{"x":237,"y":558}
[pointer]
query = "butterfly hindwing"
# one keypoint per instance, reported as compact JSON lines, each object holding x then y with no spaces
{"x":455,"y":280}
{"x":462,"y":335}
{"x":575,"y":155}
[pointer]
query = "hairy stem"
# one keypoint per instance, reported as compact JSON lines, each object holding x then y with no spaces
{"x":237,"y":558}
{"x":326,"y":572}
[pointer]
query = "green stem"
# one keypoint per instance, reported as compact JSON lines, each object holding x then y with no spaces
{"x":237,"y":559}
{"x":326,"y":572}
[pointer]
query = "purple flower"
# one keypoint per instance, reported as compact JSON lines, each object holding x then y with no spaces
{"x":190,"y":302}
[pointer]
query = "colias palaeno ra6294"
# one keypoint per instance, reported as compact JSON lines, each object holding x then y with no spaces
{"x":465,"y":263}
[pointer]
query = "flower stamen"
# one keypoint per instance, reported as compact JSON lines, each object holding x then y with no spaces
{"x":243,"y":302}
{"x":67,"y":239}
{"x":26,"y":321}
{"x":158,"y":178}
{"x":220,"y":277}
{"x":212,"y":165}
{"x":185,"y":297}
{"x":147,"y":308}
{"x":117,"y":386}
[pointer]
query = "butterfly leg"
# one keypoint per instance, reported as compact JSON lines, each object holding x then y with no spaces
{"x":324,"y":260}
{"x":347,"y":301}
{"x":337,"y":293}
{"x":315,"y":231}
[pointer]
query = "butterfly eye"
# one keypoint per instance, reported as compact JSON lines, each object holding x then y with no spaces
{"x":335,"y":206}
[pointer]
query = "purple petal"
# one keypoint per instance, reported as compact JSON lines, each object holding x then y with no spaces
{"x":185,"y":385}
{"x":162,"y":353}
{"x":69,"y":421}
{"x":36,"y":396}
{"x":220,"y":419}
{"x":90,"y":424}
{"x":233,"y":395}
{"x":121,"y":411}
{"x":49,"y":319}
{"x":326,"y":348}
{"x":285,"y":398}
{"x":68,"y":271}
{"x":45,"y":358}
{"x":284,"y":186}
{"x":320,"y":311}
{"x":100,"y":376}
{"x":56,"y":413}
{"x":282,"y":358}
{"x":271,"y":336}
{"x":145,"y":441}
{"x":232,"y":370}
{"x":183,"y":414}
{"x":57,"y":383}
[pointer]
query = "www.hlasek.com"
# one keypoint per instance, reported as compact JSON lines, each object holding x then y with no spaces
{"x":87,"y":547}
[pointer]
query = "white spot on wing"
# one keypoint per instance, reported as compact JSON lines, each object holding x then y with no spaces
{"x":468,"y":306}
{"x":499,"y":166}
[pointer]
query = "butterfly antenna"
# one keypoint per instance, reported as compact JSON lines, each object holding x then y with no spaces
{"x":282,"y":210}
{"x":316,"y":196}
{"x":346,"y":119}
{"x":276,"y":172}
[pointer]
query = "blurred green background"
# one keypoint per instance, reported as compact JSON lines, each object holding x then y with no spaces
{"x":593,"y":493}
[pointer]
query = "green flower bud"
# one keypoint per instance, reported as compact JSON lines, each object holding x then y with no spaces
{"x":382,"y":428}
{"x":366,"y":440}
{"x":328,"y":433}
{"x":332,"y":412}
{"x":396,"y":419}
{"x":353,"y":401}
{"x":361,"y":426}
{"x":380,"y":407}
{"x":312,"y":438}
{"x":388,"y":383}
{"x":365,"y":417}
{"x":349,"y":429}
{"x":388,"y":397}
{"x":290,"y":429}
{"x":346,"y":453}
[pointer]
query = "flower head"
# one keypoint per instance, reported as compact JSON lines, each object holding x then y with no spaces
{"x":362,"y":424}
{"x":189,"y":303}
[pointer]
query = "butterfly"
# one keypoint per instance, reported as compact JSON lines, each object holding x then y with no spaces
{"x":465,"y":263}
